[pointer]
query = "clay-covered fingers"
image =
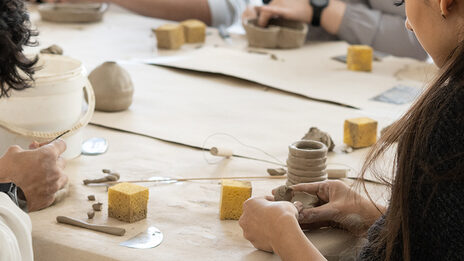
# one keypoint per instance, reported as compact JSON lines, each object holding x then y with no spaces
{"x":264,"y":15}
{"x":324,"y":213}
{"x":319,"y":189}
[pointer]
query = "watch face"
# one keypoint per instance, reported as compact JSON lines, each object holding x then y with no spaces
{"x":319,"y":3}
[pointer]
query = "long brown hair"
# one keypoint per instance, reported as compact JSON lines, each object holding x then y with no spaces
{"x":407,"y":137}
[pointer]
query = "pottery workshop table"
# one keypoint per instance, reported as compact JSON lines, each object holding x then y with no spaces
{"x":187,"y":212}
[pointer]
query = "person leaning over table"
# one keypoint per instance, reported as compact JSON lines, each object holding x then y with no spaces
{"x":371,"y":22}
{"x":425,"y":216}
{"x":377,"y":23}
{"x":28,"y":178}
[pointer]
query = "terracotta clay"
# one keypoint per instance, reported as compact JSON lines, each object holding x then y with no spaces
{"x":279,"y":33}
{"x":283,"y":193}
{"x":308,"y":200}
{"x":286,"y":193}
{"x":52,"y":49}
{"x":277,"y":172}
{"x":113,"y":87}
{"x":306,"y":162}
{"x":318,"y":135}
{"x":72,"y":13}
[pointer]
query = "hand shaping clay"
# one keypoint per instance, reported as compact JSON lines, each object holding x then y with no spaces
{"x":72,"y":13}
{"x":112,"y":86}
{"x":53,"y":49}
{"x":279,"y":33}
{"x":306,"y":162}
{"x":318,"y":135}
{"x":285,"y":193}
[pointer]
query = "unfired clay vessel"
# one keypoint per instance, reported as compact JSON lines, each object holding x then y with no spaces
{"x":72,"y":13}
{"x":279,"y":33}
{"x":306,"y":162}
{"x":112,"y":86}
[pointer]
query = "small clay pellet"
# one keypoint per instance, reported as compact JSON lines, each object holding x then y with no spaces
{"x":97,"y":206}
{"x":91,"y":214}
{"x":91,"y":197}
{"x":107,"y":171}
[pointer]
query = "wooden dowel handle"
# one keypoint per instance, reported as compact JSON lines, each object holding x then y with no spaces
{"x":78,"y":223}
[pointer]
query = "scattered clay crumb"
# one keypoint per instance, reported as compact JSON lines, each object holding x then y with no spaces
{"x":53,"y":49}
{"x":198,"y":46}
{"x":317,"y":135}
{"x":277,"y":172}
{"x":274,"y":57}
{"x":91,"y":214}
{"x":107,"y":171}
{"x":97,"y":206}
{"x":258,"y":52}
{"x":91,"y":197}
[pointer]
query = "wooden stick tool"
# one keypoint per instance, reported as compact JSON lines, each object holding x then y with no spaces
{"x":117,"y":231}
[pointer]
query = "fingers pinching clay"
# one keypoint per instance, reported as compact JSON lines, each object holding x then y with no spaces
{"x":299,"y":198}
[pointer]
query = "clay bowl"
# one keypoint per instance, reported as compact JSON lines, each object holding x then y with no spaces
{"x":72,"y":13}
{"x":279,"y":33}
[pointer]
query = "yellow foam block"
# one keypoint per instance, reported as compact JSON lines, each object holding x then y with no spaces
{"x":127,"y":202}
{"x":170,"y":36}
{"x":194,"y":31}
{"x":233,"y":194}
{"x":359,"y":58}
{"x":360,"y":132}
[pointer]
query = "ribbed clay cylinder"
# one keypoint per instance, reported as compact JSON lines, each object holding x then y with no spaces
{"x":306,"y":162}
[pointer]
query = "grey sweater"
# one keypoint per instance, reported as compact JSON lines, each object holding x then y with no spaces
{"x":378,"y":23}
{"x":436,"y":213}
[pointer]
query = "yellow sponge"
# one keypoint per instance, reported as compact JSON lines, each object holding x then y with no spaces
{"x":359,"y":58}
{"x":194,"y":31}
{"x":170,"y":36}
{"x":233,"y":194}
{"x":360,"y":132}
{"x":127,"y":202}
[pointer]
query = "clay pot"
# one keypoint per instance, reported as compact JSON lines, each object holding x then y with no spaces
{"x":112,"y":86}
{"x":306,"y":162}
{"x":279,"y":33}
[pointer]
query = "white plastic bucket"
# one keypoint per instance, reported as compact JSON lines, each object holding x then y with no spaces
{"x":52,"y":106}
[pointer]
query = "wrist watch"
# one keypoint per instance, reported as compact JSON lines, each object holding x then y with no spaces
{"x":318,"y":7}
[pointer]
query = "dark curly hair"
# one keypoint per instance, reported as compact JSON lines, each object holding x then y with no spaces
{"x":16,"y":70}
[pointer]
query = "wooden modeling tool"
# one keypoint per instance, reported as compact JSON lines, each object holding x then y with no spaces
{"x":117,"y":231}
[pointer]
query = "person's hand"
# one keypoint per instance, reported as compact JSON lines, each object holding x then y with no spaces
{"x":249,"y":13}
{"x":264,"y":220}
{"x":38,"y":172}
{"x":343,"y":207}
{"x":298,"y":10}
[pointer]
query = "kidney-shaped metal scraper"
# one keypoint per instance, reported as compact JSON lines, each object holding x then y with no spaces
{"x":148,"y":239}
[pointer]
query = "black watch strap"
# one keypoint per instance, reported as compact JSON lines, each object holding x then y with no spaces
{"x":317,"y":12}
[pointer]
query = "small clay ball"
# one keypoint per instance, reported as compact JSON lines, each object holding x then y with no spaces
{"x":91,"y":197}
{"x":91,"y":214}
{"x":97,"y":206}
{"x":113,"y":87}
